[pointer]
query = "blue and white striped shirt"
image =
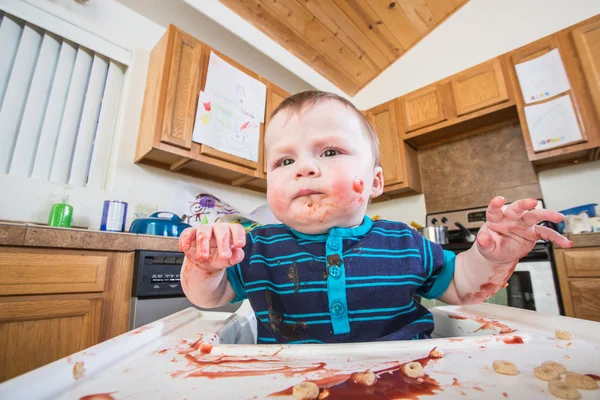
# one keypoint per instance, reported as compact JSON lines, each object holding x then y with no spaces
{"x":347,"y":285}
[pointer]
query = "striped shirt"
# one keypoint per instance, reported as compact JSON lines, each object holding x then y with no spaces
{"x":347,"y":285}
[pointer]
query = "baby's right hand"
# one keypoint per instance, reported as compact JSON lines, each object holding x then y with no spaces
{"x":214,"y":247}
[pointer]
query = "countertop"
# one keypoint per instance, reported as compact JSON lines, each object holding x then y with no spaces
{"x":33,"y":235}
{"x":585,"y":239}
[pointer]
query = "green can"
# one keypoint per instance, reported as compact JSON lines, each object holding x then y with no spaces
{"x":60,"y":215}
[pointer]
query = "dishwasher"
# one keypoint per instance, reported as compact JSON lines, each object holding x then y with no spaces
{"x":157,"y":290}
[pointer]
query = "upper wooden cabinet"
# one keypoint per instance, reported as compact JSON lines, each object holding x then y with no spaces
{"x":455,"y":106}
{"x":181,"y":85}
{"x":423,"y":108}
{"x":479,"y":87}
{"x":176,"y":75}
{"x":398,"y":159}
{"x":587,"y":42}
{"x":579,"y":93}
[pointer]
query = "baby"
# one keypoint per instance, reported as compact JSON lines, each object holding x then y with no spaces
{"x":329,"y":273}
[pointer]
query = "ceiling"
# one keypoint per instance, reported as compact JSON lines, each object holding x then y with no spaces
{"x":348,"y":42}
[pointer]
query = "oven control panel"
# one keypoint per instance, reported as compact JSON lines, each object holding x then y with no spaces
{"x":472,"y":218}
{"x":157,"y":274}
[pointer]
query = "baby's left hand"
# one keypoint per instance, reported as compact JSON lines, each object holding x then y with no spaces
{"x":510,"y":235}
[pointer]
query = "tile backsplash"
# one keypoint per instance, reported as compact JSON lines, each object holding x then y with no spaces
{"x":469,"y":172}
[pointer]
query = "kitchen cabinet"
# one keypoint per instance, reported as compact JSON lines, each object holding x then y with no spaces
{"x":275,"y":96}
{"x":587,"y":43}
{"x":423,"y":108}
{"x":576,"y":60}
{"x":398,"y":159}
{"x":56,"y":302}
{"x":176,"y":75}
{"x":578,"y":271}
{"x":460,"y":105}
{"x":479,"y":87}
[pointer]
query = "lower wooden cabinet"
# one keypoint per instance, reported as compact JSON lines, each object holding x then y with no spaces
{"x":54,"y":303}
{"x":578,"y":272}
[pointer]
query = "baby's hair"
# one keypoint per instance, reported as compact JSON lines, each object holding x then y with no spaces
{"x":305,"y":100}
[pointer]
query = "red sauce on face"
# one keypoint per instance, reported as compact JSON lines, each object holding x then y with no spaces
{"x":358,"y":185}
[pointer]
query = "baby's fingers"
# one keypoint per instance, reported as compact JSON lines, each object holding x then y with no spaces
{"x":222,"y":233}
{"x":515,"y":210}
{"x":553,"y":236}
{"x":494,"y":211}
{"x":187,"y":238}
{"x":203,"y":236}
{"x":534,"y":217}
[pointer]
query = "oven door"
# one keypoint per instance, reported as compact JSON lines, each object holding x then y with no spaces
{"x":532,"y":287}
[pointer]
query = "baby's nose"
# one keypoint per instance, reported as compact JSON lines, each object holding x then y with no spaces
{"x":307,"y":170}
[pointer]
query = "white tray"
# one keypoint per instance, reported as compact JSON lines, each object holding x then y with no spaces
{"x":207,"y":355}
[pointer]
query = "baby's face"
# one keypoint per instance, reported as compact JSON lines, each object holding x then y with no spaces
{"x":320,"y":168}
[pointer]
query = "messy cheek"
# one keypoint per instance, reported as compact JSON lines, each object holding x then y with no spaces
{"x":358,"y":185}
{"x":276,"y":199}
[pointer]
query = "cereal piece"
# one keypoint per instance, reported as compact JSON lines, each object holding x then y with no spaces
{"x":435,"y":353}
{"x":413,"y":369}
{"x":581,"y":381}
{"x":563,"y":390}
{"x":549,"y":371}
{"x":563,"y":335}
{"x":364,"y":378}
{"x":78,"y":370}
{"x":306,"y":391}
{"x":558,"y":366}
{"x":504,"y":367}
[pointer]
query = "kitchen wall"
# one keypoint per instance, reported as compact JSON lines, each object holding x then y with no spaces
{"x":146,"y":189}
{"x":571,"y":186}
{"x":481,"y":30}
{"x":469,"y":172}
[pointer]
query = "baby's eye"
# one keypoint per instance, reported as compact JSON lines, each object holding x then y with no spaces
{"x":330,"y":153}
{"x":287,"y":161}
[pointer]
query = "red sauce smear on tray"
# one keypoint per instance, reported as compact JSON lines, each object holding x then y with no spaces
{"x":505,"y":394}
{"x":594,"y":377}
{"x":512,"y":340}
{"x":99,"y":396}
{"x":391,"y":383}
{"x":485,"y":324}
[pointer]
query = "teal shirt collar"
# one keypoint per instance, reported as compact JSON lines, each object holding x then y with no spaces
{"x":360,"y":230}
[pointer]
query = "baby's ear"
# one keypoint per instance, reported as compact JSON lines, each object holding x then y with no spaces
{"x":377,"y":185}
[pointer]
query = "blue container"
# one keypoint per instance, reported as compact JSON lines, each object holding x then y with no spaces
{"x":155,"y":225}
{"x":590,"y":209}
{"x":114,"y":214}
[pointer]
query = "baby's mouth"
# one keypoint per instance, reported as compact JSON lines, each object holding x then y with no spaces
{"x":306,"y":192}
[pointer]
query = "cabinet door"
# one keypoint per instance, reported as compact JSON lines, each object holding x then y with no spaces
{"x":479,"y":87}
{"x":587,"y":42}
{"x":275,"y":96}
{"x":36,"y":332}
{"x":384,"y":120}
{"x":586,"y":302}
{"x":182,"y":89}
{"x":423,"y":108}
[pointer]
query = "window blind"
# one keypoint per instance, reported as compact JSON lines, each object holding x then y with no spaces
{"x":58,"y":106}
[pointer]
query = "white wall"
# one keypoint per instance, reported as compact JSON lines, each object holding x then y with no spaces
{"x":406,"y":209}
{"x":480,"y":30}
{"x":146,"y":189}
{"x":571,"y":186}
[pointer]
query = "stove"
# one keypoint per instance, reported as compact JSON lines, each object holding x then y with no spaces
{"x":533,"y":285}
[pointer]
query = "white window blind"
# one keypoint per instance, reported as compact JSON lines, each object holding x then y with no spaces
{"x":58,"y":106}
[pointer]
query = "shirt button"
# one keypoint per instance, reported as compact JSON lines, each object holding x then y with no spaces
{"x":333,"y":245}
{"x":335,"y":271}
{"x":337,"y":309}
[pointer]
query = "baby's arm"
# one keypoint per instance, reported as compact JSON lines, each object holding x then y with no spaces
{"x":209,"y":250}
{"x":505,"y":237}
